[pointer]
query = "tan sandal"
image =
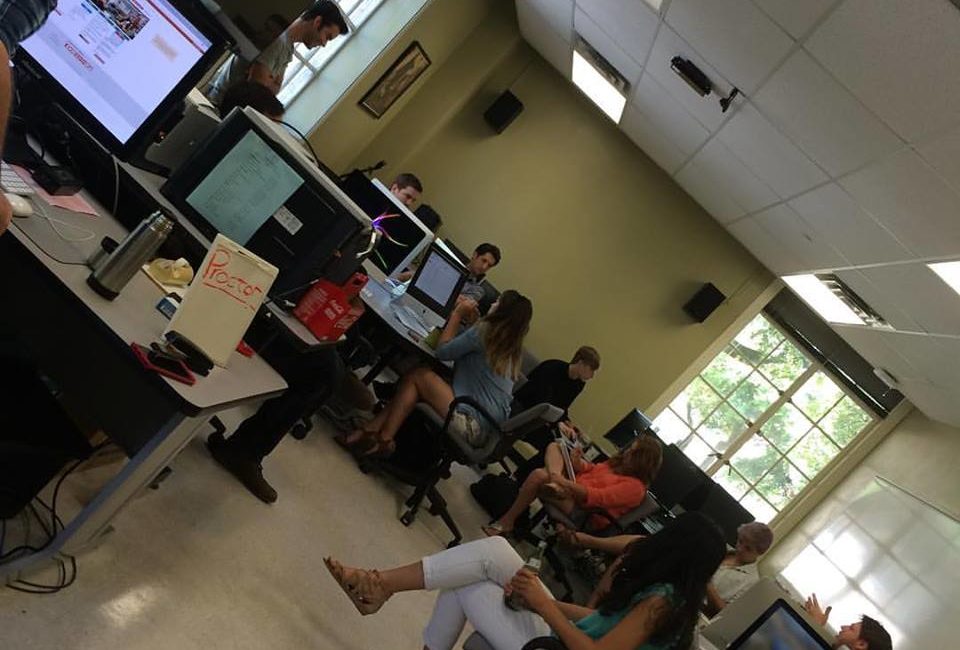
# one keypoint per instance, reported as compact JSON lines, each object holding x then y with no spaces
{"x":364,"y":588}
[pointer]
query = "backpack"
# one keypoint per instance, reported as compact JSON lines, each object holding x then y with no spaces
{"x":495,"y":493}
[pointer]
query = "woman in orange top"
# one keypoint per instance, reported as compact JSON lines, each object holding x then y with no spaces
{"x":617,"y":485}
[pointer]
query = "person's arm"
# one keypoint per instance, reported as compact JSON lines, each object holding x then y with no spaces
{"x":714,"y":602}
{"x":816,"y":612}
{"x":262,"y":74}
{"x":6,"y":98}
{"x":635,"y":629}
{"x":453,"y":344}
{"x":614,"y":545}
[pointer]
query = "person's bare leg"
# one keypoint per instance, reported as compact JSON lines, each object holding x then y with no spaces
{"x":528,"y":492}
{"x":397,"y":409}
{"x":369,"y":590}
{"x":553,"y":460}
{"x":421,"y":384}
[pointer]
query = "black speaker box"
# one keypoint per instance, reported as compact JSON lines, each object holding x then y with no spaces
{"x":704,"y":302}
{"x":503,"y":111}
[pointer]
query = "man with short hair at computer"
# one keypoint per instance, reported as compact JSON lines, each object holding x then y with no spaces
{"x":18,"y":20}
{"x":317,"y":26}
{"x":866,"y":634}
{"x":407,"y":188}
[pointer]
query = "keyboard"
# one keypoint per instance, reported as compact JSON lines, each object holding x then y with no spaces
{"x":11,"y":183}
{"x":411,"y":320}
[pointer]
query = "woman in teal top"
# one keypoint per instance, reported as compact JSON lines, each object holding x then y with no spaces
{"x":652,"y":603}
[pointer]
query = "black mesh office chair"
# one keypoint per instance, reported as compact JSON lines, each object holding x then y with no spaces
{"x":452,"y":449}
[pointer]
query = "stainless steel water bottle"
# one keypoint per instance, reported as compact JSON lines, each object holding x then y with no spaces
{"x":113,"y":274}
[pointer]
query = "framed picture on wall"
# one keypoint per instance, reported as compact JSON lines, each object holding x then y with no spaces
{"x":395,"y":81}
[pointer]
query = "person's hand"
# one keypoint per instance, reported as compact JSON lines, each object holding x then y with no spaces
{"x":554,"y":490}
{"x":568,"y":430}
{"x":815,"y":611}
{"x":467,"y":310}
{"x":567,"y":537}
{"x":6,"y":213}
{"x":529,"y":588}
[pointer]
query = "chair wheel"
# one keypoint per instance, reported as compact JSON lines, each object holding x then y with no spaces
{"x":407,"y":518}
{"x":299,"y":431}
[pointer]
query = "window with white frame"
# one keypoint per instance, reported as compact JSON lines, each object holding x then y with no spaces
{"x":763,"y":418}
{"x":307,"y":63}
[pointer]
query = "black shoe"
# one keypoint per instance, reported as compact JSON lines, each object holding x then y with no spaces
{"x":248,"y":472}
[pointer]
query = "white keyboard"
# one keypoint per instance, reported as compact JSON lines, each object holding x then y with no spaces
{"x":11,"y":183}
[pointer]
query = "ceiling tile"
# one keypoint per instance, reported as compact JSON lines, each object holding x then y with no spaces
{"x":797,"y":17}
{"x":879,"y":300}
{"x":872,"y":345}
{"x":854,"y":233}
{"x":769,"y":154}
{"x":897,"y":57}
{"x":943,"y":154}
{"x":654,"y":142}
{"x":607,"y":47}
{"x":936,"y":361}
{"x":772,"y":253}
{"x":942,"y":405}
{"x":822,"y":117}
{"x":719,"y":178}
{"x":801,"y":240}
{"x":920,"y":292}
{"x":706,"y":109}
{"x":631,"y":24}
{"x":557,"y":14}
{"x":550,"y":45}
{"x":734,"y":35}
{"x":669,"y":116}
{"x":904,"y":194}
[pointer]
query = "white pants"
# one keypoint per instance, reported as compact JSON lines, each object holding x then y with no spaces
{"x":472,"y":577}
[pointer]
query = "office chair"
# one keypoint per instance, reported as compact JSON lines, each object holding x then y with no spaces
{"x":452,"y":449}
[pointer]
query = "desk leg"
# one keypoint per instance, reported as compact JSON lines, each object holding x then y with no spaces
{"x":84,"y":530}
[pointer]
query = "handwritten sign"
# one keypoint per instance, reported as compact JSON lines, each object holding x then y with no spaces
{"x":222,"y":299}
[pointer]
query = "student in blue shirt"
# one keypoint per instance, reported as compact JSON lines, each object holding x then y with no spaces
{"x":486,"y":363}
{"x":652,"y":603}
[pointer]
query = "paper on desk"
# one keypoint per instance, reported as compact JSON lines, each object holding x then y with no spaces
{"x":222,"y":299}
{"x":74,"y":202}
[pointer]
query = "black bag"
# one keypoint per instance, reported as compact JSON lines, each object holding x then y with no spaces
{"x":495,"y":493}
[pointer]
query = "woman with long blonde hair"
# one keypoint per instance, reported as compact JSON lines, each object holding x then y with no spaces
{"x":486,"y":363}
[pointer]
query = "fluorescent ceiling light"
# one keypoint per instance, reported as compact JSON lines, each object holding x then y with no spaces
{"x":823,"y":301}
{"x":949,"y":272}
{"x":598,"y":88}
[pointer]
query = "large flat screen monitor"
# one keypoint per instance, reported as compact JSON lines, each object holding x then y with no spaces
{"x":726,"y":511}
{"x":438,"y":281}
{"x":248,"y":184}
{"x":631,"y":426}
{"x":404,"y":237}
{"x":119,"y":66}
{"x":780,"y":627}
{"x":679,"y":480}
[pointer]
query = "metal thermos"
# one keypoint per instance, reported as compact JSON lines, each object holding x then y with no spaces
{"x":113,"y":274}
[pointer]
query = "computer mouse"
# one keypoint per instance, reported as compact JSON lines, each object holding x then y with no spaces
{"x":21,"y":206}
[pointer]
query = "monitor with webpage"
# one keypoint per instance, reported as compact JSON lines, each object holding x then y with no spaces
{"x":438,"y":281}
{"x":249,"y":184}
{"x":95,"y":57}
{"x":780,"y":627}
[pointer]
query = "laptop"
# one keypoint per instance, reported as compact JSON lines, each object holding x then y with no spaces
{"x":432,"y":293}
{"x":780,"y":626}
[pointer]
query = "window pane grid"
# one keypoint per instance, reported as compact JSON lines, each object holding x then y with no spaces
{"x":809,"y":418}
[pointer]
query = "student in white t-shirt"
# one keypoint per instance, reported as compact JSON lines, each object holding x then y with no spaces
{"x":738,"y":570}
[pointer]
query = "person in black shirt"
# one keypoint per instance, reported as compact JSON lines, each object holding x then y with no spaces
{"x":555,"y":382}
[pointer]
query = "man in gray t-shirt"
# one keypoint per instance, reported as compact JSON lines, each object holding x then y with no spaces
{"x":317,"y":26}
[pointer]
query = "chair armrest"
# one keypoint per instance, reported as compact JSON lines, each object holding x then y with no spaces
{"x":603,"y":514}
{"x":544,"y":643}
{"x":469,"y":401}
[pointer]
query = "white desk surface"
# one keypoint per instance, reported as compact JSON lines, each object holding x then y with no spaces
{"x":133,"y":316}
{"x":376,"y":297}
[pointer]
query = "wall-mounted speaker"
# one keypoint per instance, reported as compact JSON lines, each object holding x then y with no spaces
{"x":704,"y":302}
{"x":503,"y":111}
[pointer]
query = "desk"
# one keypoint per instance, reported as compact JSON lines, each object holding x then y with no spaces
{"x":378,"y":301}
{"x":82,"y":342}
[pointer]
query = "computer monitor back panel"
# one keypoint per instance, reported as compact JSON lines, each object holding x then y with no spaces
{"x":246,"y":183}
{"x":726,"y":511}
{"x":118,"y":67}
{"x":632,"y":425}
{"x":780,"y":626}
{"x":678,"y":478}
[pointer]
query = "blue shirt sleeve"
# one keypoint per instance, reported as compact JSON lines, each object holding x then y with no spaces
{"x":21,"y":18}
{"x":460,"y":346}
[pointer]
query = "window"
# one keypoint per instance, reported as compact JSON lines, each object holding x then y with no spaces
{"x":307,"y":63}
{"x":763,"y":418}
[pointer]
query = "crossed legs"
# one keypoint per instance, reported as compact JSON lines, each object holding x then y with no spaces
{"x":531,"y":489}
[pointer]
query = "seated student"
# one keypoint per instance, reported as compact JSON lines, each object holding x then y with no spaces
{"x":485,"y":257}
{"x":866,"y":634}
{"x":616,"y":485}
{"x":487,"y":360}
{"x":255,"y":95}
{"x":736,"y":573}
{"x":407,"y":188}
{"x":652,"y":602}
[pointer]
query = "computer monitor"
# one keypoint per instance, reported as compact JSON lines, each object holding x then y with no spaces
{"x":438,"y":281}
{"x":726,"y":511}
{"x":404,"y":237}
{"x":119,"y":67}
{"x":249,"y":184}
{"x":631,"y":426}
{"x":780,"y":627}
{"x":679,"y":480}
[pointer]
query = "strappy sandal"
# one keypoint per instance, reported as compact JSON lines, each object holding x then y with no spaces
{"x":382,"y":449}
{"x":494,"y":529}
{"x":364,"y":588}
